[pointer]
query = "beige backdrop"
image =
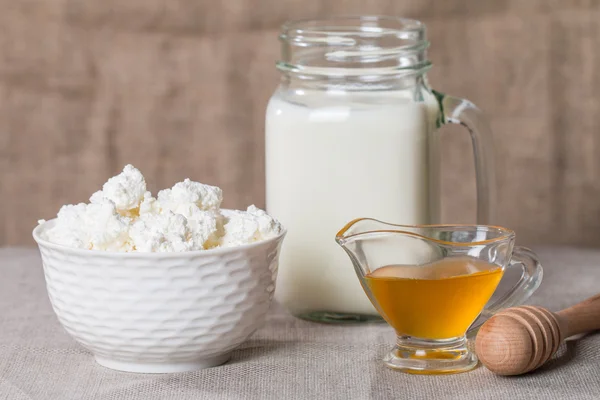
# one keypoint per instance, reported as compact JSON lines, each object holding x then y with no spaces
{"x":179,"y":87}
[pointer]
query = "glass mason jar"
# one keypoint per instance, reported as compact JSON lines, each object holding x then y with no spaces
{"x":352,"y":132}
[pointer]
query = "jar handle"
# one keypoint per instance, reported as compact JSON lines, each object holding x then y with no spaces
{"x":460,"y":111}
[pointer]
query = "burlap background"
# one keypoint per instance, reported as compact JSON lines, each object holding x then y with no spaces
{"x":179,"y":87}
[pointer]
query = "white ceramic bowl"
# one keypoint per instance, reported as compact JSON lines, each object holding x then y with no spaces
{"x":160,"y":312}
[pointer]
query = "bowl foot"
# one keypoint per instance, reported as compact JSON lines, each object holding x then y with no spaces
{"x":162,"y":368}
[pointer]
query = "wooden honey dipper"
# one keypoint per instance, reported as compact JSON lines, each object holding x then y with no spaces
{"x":521,"y":339}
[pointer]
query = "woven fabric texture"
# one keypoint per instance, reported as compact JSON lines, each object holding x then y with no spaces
{"x":286,"y":359}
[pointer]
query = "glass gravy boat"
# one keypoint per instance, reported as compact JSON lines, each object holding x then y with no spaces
{"x":432,"y":282}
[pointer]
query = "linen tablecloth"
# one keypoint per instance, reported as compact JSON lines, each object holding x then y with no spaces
{"x":287,"y":359}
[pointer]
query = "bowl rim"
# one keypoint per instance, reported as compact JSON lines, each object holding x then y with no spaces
{"x":146,"y":254}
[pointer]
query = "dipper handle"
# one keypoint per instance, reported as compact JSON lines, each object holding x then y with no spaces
{"x":580,"y":318}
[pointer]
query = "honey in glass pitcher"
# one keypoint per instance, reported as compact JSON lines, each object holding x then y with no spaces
{"x":439,"y":300}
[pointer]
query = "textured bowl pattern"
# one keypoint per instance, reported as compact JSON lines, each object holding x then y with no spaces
{"x":161,"y":312}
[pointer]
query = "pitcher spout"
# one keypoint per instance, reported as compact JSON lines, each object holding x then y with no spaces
{"x":371,"y":244}
{"x":360,"y":228}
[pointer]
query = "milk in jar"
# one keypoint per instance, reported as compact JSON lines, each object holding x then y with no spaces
{"x":360,"y":155}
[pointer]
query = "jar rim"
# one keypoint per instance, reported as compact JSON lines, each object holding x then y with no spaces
{"x":354,"y":46}
{"x":366,"y":22}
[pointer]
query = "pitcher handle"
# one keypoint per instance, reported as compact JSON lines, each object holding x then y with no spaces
{"x":531,"y":277}
{"x":463,"y":112}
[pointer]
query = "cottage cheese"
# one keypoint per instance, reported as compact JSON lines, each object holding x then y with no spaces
{"x":149,"y":205}
{"x":161,"y":233}
{"x":247,"y":226}
{"x":124,"y":216}
{"x":187,"y":193}
{"x":91,"y":226}
{"x":125,"y":190}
